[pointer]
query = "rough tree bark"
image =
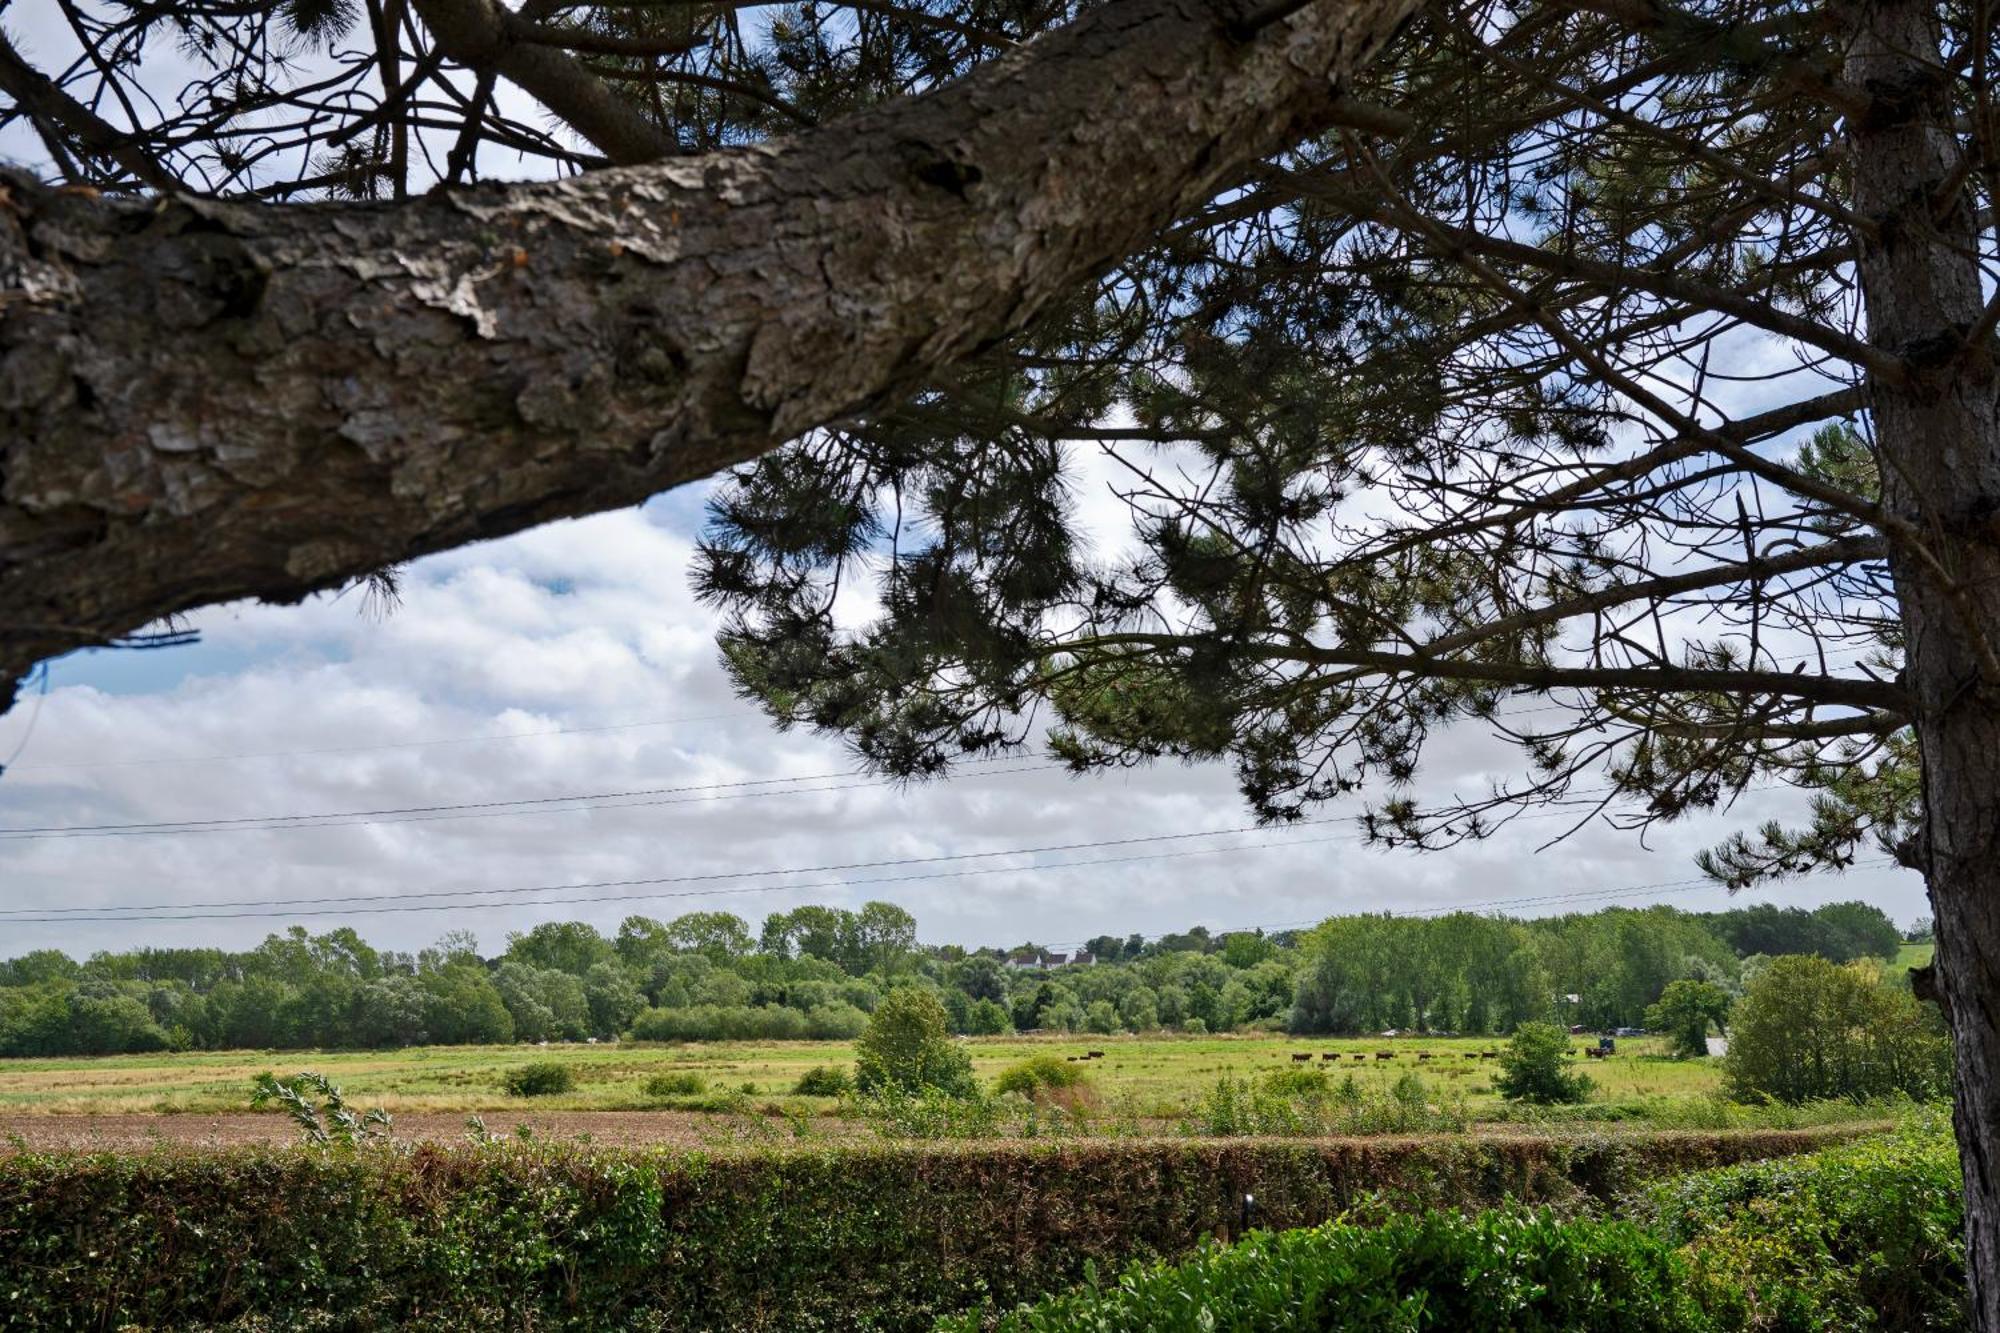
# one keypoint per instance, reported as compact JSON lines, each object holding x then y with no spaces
{"x":1938,"y":433}
{"x":203,"y":400}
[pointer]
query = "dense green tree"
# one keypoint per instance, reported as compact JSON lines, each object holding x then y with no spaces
{"x":388,"y":1011}
{"x":42,"y":965}
{"x":1685,"y":1011}
{"x":908,"y":1047}
{"x":882,"y":938}
{"x":717,"y":936}
{"x":462,"y":1005}
{"x":562,"y":946}
{"x":1538,"y":1065}
{"x":1807,"y":1028}
{"x":987,"y":1018}
{"x":546,"y":1004}
{"x":612,"y":998}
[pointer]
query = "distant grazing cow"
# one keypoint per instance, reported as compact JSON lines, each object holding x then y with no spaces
{"x":1359,"y":1056}
{"x":1423,"y":1055}
{"x":1489,"y":1055}
{"x":1385,"y":1055}
{"x":1093,"y":1055}
{"x":1297,"y":1058}
{"x":1330,"y":1055}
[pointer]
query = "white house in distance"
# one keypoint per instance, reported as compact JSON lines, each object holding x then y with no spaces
{"x":1023,"y":959}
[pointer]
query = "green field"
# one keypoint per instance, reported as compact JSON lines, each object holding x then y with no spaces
{"x":1914,"y":955}
{"x":1154,"y":1076}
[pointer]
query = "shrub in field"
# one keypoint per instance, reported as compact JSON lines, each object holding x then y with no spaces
{"x":679,"y":1083}
{"x":908,"y":1047}
{"x":931,"y":1113}
{"x":824,"y":1081}
{"x":1536,"y":1067}
{"x":1038,"y":1075}
{"x":541,"y":1078}
{"x":1434,"y":1271}
{"x":1299,"y":1082}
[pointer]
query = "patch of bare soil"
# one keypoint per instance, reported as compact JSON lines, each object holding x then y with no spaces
{"x":687,"y":1129}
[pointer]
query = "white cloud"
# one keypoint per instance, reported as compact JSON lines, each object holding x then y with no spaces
{"x":589,"y":628}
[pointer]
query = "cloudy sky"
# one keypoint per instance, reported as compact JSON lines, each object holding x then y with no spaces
{"x":563,"y":685}
{"x":560,"y":691}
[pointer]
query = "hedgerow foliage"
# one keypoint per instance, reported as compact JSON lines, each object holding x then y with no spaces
{"x":1438,"y":1270}
{"x":1865,"y":1236}
{"x":548,"y":1236}
{"x":1860,"y":1237}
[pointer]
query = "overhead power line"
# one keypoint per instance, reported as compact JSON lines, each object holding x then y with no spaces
{"x":67,"y":916}
{"x":709,"y":877}
{"x":566,"y":803}
{"x":386,"y":745}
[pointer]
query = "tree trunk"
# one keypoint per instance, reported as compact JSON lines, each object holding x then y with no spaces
{"x":1938,"y":440}
{"x":203,"y":400}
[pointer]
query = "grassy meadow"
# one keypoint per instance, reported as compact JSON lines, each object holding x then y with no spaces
{"x":1153,"y":1075}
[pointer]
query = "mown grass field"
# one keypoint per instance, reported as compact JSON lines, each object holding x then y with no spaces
{"x":1154,"y":1076}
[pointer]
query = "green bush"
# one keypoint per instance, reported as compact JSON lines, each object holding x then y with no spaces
{"x":824,"y":1081}
{"x":1307,"y":1082}
{"x":1808,"y":1029}
{"x":1535,"y":1067}
{"x":1441,"y":1271}
{"x":908,"y":1047}
{"x":680,"y":1083}
{"x":931,"y":1113}
{"x":542,"y":1078}
{"x":1865,"y":1236}
{"x":1038,"y":1074}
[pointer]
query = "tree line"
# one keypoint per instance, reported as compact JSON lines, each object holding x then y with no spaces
{"x":818,"y":972}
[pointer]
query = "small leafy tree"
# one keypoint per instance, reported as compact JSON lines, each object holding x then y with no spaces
{"x":1535,"y":1067}
{"x":1684,"y":1011}
{"x":908,"y":1048}
{"x":325,"y":1122}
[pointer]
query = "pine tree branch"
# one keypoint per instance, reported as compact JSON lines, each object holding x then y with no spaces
{"x":203,"y":400}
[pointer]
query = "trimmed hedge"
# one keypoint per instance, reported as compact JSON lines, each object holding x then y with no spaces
{"x":510,"y":1235}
